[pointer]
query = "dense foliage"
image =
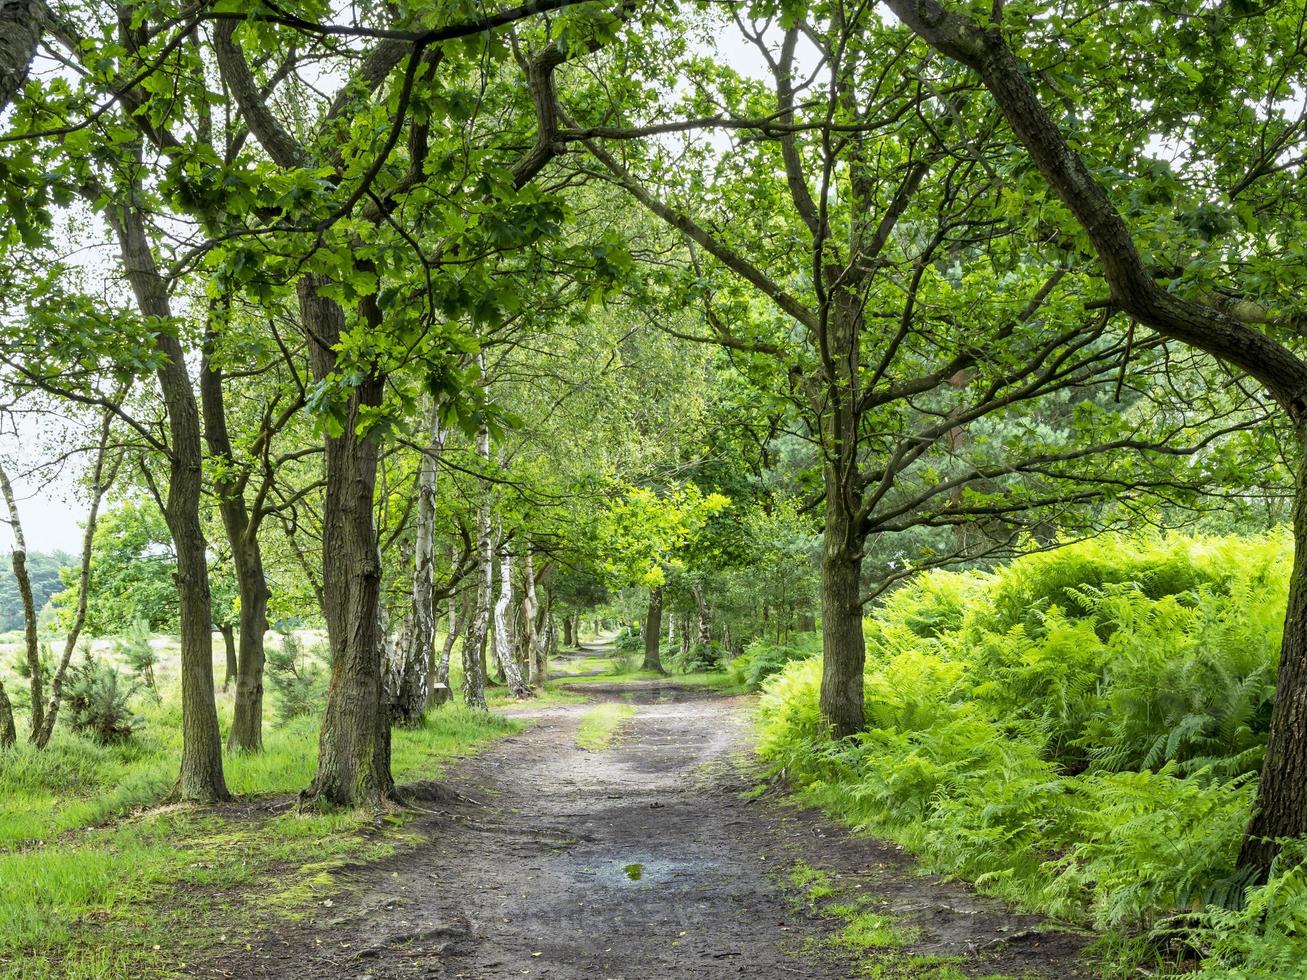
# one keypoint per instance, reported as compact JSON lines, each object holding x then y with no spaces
{"x":1080,"y":730}
{"x":43,"y":568}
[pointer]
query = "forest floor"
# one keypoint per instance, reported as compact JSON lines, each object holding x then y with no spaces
{"x":630,"y":838}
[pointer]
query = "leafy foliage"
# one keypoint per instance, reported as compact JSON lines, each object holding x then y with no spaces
{"x":1080,"y":730}
{"x":296,"y":676}
{"x":43,"y":570}
{"x":96,"y":701}
{"x":763,"y":659}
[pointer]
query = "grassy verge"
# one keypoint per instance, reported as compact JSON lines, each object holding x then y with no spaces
{"x":710,"y":680}
{"x":875,"y":940}
{"x":81,"y":901}
{"x":601,"y":723}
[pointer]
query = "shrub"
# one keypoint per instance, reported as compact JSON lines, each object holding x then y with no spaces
{"x":96,"y":701}
{"x":628,"y":640}
{"x":626,"y":661}
{"x":1079,"y":731}
{"x":296,"y":676}
{"x":133,"y":648}
{"x":763,"y":659}
{"x":698,"y":658}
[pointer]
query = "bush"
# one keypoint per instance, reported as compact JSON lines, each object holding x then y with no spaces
{"x":133,"y":648}
{"x":1079,"y":731}
{"x":96,"y":701}
{"x":698,"y":659}
{"x":297,"y":678}
{"x":626,"y":661}
{"x":762,"y":659}
{"x":628,"y":640}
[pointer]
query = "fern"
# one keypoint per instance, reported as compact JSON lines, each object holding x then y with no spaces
{"x":1080,"y":731}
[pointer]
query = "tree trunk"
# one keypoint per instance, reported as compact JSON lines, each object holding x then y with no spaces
{"x":843,"y":645}
{"x":704,"y":634}
{"x":569,"y":634}
{"x":201,"y":777}
{"x":1281,"y":808}
{"x":535,"y":643}
{"x":544,"y":631}
{"x":246,"y":733}
{"x":440,"y":692}
{"x":685,"y":635}
{"x":32,"y":646}
{"x":20,"y":32}
{"x":504,"y":651}
{"x":100,"y":482}
{"x":414,"y":652}
{"x":353,"y":746}
{"x":653,"y":632}
{"x":474,"y":666}
{"x":229,"y":645}
{"x":8,"y":734}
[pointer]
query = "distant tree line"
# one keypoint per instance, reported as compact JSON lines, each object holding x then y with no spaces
{"x":43,"y":567}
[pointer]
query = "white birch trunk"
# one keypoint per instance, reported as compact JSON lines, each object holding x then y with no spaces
{"x":503,"y":635}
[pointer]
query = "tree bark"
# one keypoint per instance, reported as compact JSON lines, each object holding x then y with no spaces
{"x":1281,"y":807}
{"x":474,"y":676}
{"x":843,"y":645}
{"x":242,"y":529}
{"x":353,"y":746}
{"x":504,"y":647}
{"x":440,"y":692}
{"x":201,"y":777}
{"x":229,"y":645}
{"x":531,"y":620}
{"x":20,"y":32}
{"x":414,"y":652}
{"x":8,"y":734}
{"x":653,"y":632}
{"x":32,"y":646}
{"x":704,"y":628}
{"x":569,"y":634}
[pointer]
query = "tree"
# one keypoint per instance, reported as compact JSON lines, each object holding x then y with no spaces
{"x":861,"y":223}
{"x":1229,"y":332}
{"x":31,"y":644}
{"x":641,"y":534}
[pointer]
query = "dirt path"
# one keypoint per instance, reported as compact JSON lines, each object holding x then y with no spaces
{"x":641,"y":860}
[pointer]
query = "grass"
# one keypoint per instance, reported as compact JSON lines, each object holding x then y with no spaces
{"x":97,"y":880}
{"x":713,"y":680}
{"x":600,"y":724}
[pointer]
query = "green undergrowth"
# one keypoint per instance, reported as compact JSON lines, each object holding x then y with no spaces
{"x":600,"y":725}
{"x":876,"y":941}
{"x":1079,"y":732}
{"x":720,"y":681}
{"x":98,"y":880}
{"x":75,"y":782}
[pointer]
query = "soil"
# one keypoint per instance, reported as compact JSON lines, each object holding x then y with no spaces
{"x":642,"y":860}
